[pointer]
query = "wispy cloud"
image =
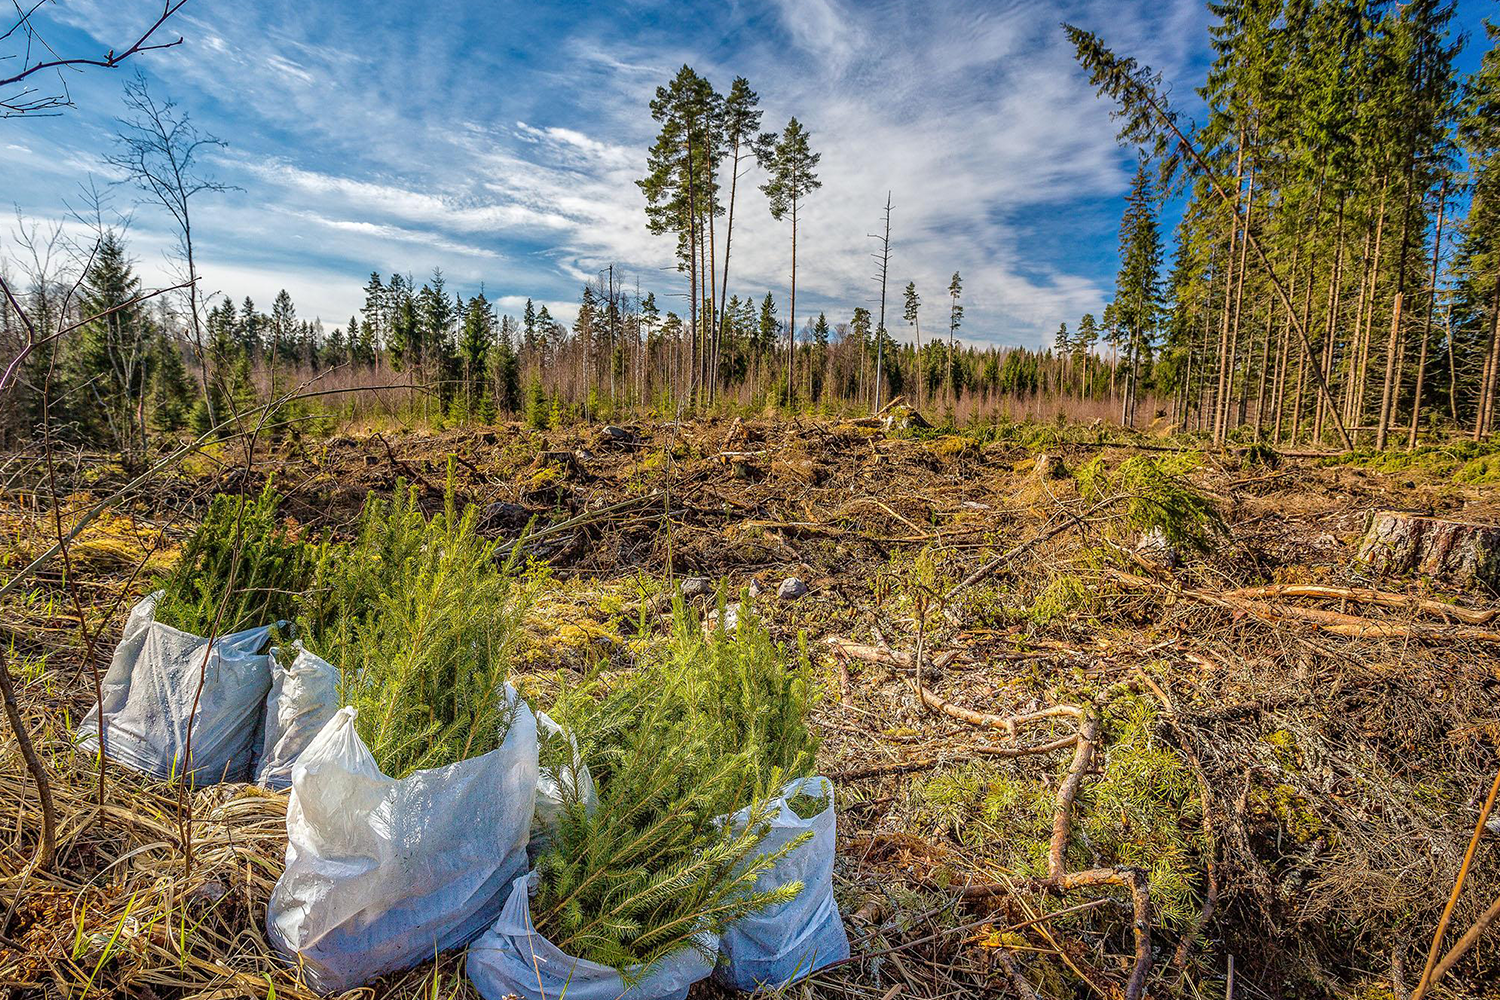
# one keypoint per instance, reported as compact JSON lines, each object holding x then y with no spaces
{"x":502,"y":143}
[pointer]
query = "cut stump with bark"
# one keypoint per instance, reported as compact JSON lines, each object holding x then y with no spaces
{"x":1467,"y":554}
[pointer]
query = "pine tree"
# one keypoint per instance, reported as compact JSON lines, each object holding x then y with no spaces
{"x":741,"y":131}
{"x":955,"y":320}
{"x":790,"y":162}
{"x":677,"y":184}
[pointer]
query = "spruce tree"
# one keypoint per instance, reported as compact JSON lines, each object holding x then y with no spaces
{"x":108,"y":359}
{"x":172,"y":391}
{"x":1137,"y":302}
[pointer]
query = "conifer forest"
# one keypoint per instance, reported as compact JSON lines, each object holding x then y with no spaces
{"x":844,"y":501}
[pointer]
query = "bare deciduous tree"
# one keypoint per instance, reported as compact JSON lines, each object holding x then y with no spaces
{"x":19,"y":93}
{"x":158,"y":151}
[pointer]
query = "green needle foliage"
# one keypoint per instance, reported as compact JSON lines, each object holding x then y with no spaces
{"x":1157,"y":496}
{"x":276,"y":568}
{"x":653,"y":866}
{"x":705,"y":726}
{"x":421,"y":621}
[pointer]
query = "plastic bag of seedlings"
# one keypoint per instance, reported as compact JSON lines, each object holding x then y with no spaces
{"x":382,"y":873}
{"x":304,"y":696}
{"x":149,"y":692}
{"x":786,"y":942}
{"x":513,"y":960}
{"x":568,"y":781}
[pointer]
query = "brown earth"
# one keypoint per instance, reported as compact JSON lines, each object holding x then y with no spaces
{"x":1311,"y":755}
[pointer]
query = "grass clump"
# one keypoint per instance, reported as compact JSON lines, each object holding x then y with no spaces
{"x":421,"y":619}
{"x":277,"y":567}
{"x":1157,"y":497}
{"x":706,"y":725}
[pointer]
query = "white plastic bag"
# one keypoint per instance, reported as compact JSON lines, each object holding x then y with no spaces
{"x":383,"y":873}
{"x":148,"y":694}
{"x":552,"y":784}
{"x":304,"y":696}
{"x":513,"y":960}
{"x":786,"y":942}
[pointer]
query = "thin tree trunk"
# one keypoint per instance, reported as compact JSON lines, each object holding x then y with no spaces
{"x":1358,"y":418}
{"x":1224,"y":367}
{"x":1392,"y":345}
{"x":1234,"y":329}
{"x":791,"y":345}
{"x":1324,"y":359}
{"x":1483,"y":424}
{"x":47,"y":848}
{"x":692,"y":275}
{"x":1437,"y":246}
{"x":1394,"y":348}
{"x":1351,"y":360}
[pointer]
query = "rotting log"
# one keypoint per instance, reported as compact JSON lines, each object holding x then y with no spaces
{"x":1466,"y":553}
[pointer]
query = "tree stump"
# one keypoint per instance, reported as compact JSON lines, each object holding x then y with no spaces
{"x":1049,"y":467}
{"x":1465,"y":553}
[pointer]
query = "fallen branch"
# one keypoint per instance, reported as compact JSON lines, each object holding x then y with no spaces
{"x":1333,"y":622}
{"x":1434,"y":970}
{"x":1067,"y":793}
{"x":1009,"y":723}
{"x":1135,"y":880}
{"x":1366,"y":595}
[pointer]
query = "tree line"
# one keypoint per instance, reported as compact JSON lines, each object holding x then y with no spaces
{"x":1334,"y":276}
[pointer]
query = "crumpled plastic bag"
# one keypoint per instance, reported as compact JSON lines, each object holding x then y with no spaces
{"x":512,"y":959}
{"x":304,"y":696}
{"x":382,"y":873}
{"x":148,"y":694}
{"x":570,"y":782}
{"x":786,"y":942}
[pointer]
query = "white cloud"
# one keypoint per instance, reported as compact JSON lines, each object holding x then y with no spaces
{"x":371,"y":146}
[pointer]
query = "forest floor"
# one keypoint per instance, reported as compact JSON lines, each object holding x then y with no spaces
{"x":1282,"y":783}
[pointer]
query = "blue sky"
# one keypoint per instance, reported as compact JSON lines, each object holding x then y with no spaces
{"x":500,"y":142}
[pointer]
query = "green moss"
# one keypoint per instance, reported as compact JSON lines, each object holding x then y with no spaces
{"x":1065,"y":596}
{"x":1485,"y":469}
{"x":1284,"y":746}
{"x":1292,"y":812}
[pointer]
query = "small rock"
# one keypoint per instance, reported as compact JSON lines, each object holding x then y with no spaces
{"x":583,"y":455}
{"x":755,"y":589}
{"x":1493,"y":826}
{"x":791,"y":588}
{"x":208,"y":892}
{"x":730,"y":623}
{"x":614,"y":433}
{"x":697,"y":586}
